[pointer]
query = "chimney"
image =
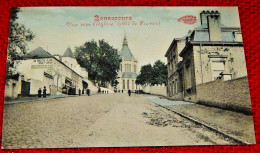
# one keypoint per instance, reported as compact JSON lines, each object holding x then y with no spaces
{"x":214,"y":26}
{"x":203,"y":17}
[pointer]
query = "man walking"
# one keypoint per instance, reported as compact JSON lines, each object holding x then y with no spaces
{"x":129,"y":92}
{"x":44,"y":92}
{"x":88,"y":92}
{"x":40,"y":92}
{"x":79,"y":91}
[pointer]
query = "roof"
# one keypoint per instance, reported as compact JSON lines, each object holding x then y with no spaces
{"x":38,"y":53}
{"x":68,"y":53}
{"x":205,"y":26}
{"x":125,"y":51}
{"x":227,"y":36}
{"x":129,"y":75}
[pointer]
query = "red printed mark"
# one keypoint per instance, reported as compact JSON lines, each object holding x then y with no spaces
{"x":188,"y":19}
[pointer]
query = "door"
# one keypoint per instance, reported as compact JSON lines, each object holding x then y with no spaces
{"x":25,"y":89}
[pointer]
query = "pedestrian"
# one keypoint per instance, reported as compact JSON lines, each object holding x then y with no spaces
{"x":88,"y":92}
{"x":40,"y":92}
{"x":44,"y":92}
{"x":79,"y":91}
{"x":122,"y":91}
{"x":129,"y":92}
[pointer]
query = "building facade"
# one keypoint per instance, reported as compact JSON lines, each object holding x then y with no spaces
{"x":39,"y":69}
{"x":209,"y":52}
{"x":128,"y":69}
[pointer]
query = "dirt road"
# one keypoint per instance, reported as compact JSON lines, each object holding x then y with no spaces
{"x":105,"y":120}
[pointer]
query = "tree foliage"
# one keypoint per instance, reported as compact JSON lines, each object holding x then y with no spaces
{"x":156,"y":74}
{"x":18,"y":38}
{"x":145,"y":75}
{"x":100,"y":59}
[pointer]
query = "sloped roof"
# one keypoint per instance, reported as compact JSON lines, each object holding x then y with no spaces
{"x":68,"y":53}
{"x":205,"y":26}
{"x":38,"y":53}
{"x":129,"y":75}
{"x":125,"y":51}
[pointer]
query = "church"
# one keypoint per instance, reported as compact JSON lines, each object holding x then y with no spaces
{"x":128,"y":69}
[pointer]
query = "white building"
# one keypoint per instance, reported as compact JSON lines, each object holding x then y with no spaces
{"x":128,"y":69}
{"x":38,"y":68}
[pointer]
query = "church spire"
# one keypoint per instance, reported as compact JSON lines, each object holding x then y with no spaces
{"x":125,"y":41}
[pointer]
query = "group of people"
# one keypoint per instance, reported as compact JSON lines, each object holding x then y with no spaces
{"x":42,"y":93}
{"x":129,"y":91}
{"x":102,"y":91}
{"x":88,"y":92}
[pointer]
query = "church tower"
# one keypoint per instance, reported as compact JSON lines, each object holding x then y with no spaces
{"x":128,"y":68}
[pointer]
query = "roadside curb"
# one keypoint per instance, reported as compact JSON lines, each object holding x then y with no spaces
{"x":42,"y":99}
{"x":207,"y":126}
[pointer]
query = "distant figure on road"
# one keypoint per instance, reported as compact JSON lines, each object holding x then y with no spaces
{"x":44,"y":92}
{"x":122,"y":91}
{"x":88,"y":92}
{"x":79,"y":91}
{"x":40,"y":92}
{"x":129,"y":92}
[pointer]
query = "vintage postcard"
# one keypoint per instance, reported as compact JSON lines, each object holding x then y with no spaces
{"x":126,"y":76}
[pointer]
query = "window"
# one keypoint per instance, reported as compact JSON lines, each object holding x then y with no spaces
{"x":120,"y":67}
{"x":171,"y":65}
{"x":135,"y":68}
{"x":188,"y":75}
{"x":176,"y":86}
{"x":127,"y":84}
{"x":133,"y":84}
{"x":123,"y":84}
{"x":171,"y":84}
{"x":217,"y":67}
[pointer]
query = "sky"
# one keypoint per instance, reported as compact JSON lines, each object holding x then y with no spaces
{"x":147,"y":43}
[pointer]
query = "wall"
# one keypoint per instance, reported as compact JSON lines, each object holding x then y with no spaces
{"x":155,"y":90}
{"x":36,"y":84}
{"x":234,"y":61}
{"x":232,"y":94}
{"x":12,"y":92}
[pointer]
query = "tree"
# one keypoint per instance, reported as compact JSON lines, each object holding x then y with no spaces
{"x":18,"y":38}
{"x":145,"y":75}
{"x":86,"y":56}
{"x":101,"y":60}
{"x":160,"y":73}
{"x":156,"y":74}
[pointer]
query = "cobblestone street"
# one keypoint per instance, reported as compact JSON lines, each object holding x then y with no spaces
{"x":104,"y":120}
